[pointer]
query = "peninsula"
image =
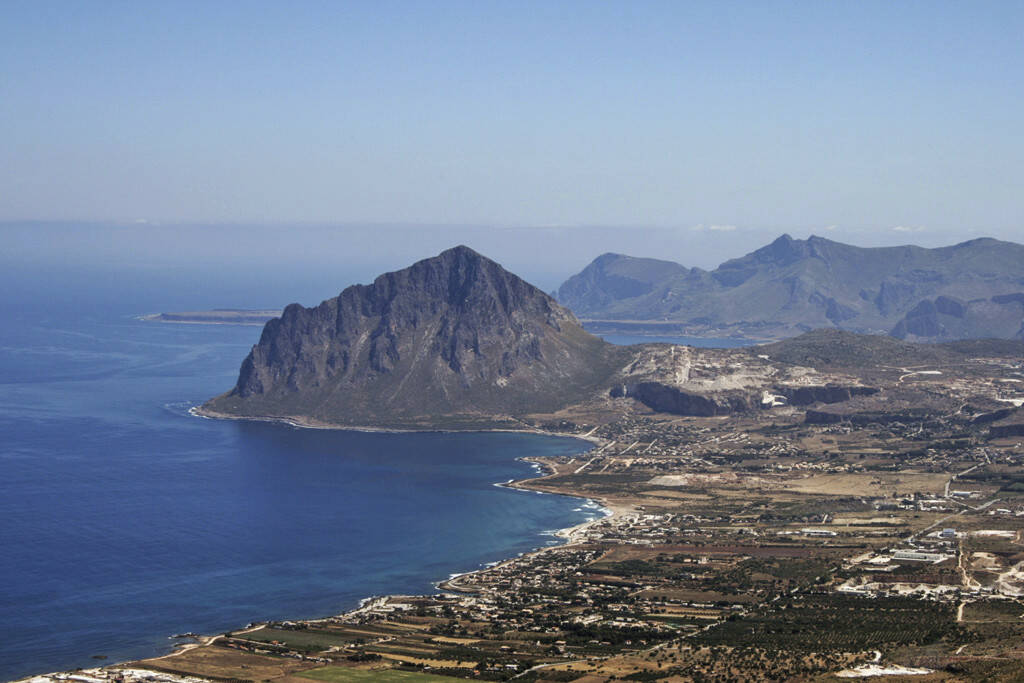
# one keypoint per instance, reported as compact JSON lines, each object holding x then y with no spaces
{"x":217,"y":316}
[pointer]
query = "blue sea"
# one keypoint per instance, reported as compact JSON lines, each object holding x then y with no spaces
{"x":124,"y":519}
{"x":703,"y":342}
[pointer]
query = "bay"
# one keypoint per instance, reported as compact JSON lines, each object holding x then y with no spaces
{"x":126,"y":520}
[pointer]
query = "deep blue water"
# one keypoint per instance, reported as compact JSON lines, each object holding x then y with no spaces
{"x":703,"y":342}
{"x":124,"y":520}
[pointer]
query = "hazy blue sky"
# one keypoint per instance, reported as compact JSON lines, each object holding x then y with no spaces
{"x":872,"y":122}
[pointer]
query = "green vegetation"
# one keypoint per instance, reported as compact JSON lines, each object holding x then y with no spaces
{"x":299,"y":640}
{"x":823,"y":623}
{"x":338,"y":674}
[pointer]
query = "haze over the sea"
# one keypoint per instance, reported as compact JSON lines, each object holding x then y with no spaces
{"x":870,"y":122}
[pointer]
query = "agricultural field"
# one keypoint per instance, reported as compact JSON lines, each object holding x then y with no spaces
{"x":226,"y":664}
{"x":338,"y":674}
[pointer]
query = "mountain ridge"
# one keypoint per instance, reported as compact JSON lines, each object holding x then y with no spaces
{"x":790,"y":286}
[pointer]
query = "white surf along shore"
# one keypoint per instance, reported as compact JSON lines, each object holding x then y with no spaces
{"x":569,"y":535}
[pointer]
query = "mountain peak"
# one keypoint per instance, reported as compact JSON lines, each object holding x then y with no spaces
{"x":460,"y":251}
{"x":609,"y":257}
{"x":454,"y":334}
{"x":455,"y":258}
{"x":977,"y":242}
{"x":782,"y":251}
{"x":614,"y":276}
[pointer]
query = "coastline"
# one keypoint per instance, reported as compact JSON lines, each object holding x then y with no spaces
{"x":249,"y":318}
{"x":305,"y":423}
{"x":568,"y":534}
{"x":197,"y":322}
{"x":571,"y":534}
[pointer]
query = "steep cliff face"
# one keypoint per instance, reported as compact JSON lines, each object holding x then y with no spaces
{"x":664,"y":398}
{"x":454,"y":337}
{"x":829,"y":393}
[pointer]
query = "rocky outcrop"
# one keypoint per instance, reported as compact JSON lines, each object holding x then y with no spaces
{"x":947,"y":318}
{"x":451,"y":338}
{"x":821,"y":417}
{"x":663,"y":398}
{"x":705,"y":382}
{"x":829,"y":393}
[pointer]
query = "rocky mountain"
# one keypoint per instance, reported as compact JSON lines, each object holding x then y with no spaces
{"x":791,"y":286}
{"x":452,"y":341}
{"x":616,"y":277}
{"x":458,"y":342}
{"x":945,"y":318}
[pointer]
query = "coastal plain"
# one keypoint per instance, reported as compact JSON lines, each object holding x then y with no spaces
{"x":875,"y":534}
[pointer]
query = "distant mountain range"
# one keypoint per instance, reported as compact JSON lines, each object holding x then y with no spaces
{"x":970,"y":290}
